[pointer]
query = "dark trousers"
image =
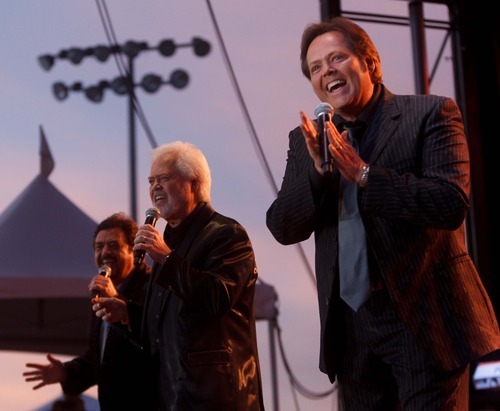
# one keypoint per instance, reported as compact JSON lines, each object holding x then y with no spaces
{"x":384,"y":370}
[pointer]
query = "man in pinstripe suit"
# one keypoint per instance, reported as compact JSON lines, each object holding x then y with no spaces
{"x":428,"y":315}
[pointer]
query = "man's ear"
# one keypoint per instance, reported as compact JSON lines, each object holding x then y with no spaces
{"x":370,"y":65}
{"x":195,"y":186}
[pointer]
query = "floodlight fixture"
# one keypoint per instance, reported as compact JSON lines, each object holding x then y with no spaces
{"x":119,"y":85}
{"x":96,"y":93}
{"x":133,"y":48}
{"x":167,"y":47}
{"x":76,"y":55}
{"x":179,"y":79}
{"x":46,"y":61}
{"x":101,"y":53}
{"x":151,"y":83}
{"x":61,"y":90}
{"x":201,"y":47}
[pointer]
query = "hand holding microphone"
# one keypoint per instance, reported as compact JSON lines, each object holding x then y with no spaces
{"x":104,"y":271}
{"x":152,"y":215}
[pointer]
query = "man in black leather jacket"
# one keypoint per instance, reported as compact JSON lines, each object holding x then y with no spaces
{"x":198,"y":323}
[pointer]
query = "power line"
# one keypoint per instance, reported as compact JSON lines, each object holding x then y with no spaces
{"x":260,"y":152}
{"x":122,"y":69}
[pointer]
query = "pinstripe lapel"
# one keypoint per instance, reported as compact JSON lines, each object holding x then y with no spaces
{"x":386,"y":120}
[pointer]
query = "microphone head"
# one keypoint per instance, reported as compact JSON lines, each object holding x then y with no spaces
{"x":153,"y":212}
{"x":322,"y":109}
{"x":105,"y":271}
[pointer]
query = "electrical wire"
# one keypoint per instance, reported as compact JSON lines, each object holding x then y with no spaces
{"x":293,"y":380}
{"x":251,"y":128}
{"x":123,"y":70}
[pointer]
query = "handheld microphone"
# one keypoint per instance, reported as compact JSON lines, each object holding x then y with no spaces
{"x":152,"y":215}
{"x":105,"y":271}
{"x":324,"y":113}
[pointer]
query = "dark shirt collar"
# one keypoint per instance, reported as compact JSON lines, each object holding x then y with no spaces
{"x":173,"y":236}
{"x":365,"y":115}
{"x":123,"y":285}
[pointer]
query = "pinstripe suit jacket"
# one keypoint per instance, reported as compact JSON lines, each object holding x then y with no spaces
{"x":413,"y":209}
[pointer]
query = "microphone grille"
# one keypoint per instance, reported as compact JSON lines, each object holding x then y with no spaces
{"x":153,"y":212}
{"x":105,"y":271}
{"x":323,"y":108}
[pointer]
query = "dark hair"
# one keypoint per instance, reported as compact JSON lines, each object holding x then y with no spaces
{"x":357,"y":40}
{"x":121,"y":221}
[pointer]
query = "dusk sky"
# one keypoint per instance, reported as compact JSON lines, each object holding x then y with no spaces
{"x":241,"y":123}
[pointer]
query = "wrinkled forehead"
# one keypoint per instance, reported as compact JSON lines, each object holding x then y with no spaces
{"x":326,"y":44}
{"x":161,"y":166}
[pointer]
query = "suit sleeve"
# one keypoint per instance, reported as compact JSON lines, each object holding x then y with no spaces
{"x":295,"y":213}
{"x":421,"y":175}
{"x":80,"y":374}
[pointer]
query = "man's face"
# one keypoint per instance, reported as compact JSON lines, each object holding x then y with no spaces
{"x":170,"y":193}
{"x":111,"y":249}
{"x":338,"y":76}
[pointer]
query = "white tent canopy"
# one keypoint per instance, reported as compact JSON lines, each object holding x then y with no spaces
{"x":46,"y":263}
{"x":45,"y":241}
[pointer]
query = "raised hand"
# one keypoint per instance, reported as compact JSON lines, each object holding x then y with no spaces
{"x":50,"y":373}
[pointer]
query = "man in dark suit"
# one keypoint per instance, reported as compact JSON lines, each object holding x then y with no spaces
{"x":112,"y":361}
{"x":425,"y":314}
{"x":198,"y":323}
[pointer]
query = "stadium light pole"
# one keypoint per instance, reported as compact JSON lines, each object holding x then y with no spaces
{"x":124,"y":84}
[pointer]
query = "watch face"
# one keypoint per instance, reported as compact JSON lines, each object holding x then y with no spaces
{"x":364,"y":176}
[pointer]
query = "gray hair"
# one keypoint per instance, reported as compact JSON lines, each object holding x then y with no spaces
{"x":189,"y":162}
